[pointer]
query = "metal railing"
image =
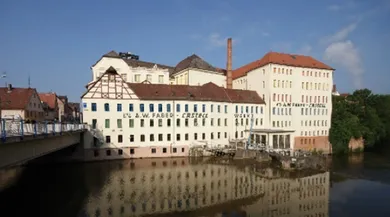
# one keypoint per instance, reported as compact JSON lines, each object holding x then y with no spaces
{"x":21,"y":128}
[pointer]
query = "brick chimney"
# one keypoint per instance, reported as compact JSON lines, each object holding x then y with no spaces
{"x":229,"y":64}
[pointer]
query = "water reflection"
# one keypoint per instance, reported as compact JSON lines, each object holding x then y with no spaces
{"x":182,"y":187}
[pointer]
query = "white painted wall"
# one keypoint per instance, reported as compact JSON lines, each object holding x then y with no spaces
{"x":208,"y":129}
{"x":130,"y":74}
{"x":198,"y":77}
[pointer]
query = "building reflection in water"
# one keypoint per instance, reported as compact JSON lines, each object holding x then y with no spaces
{"x":180,"y":187}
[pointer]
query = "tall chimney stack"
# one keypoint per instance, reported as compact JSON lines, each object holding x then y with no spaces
{"x":229,"y":64}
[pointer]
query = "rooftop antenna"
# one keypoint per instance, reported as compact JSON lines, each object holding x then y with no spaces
{"x":29,"y":81}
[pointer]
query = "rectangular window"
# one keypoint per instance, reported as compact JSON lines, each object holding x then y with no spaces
{"x":212,"y":122}
{"x":137,"y":78}
{"x":186,"y":122}
{"x":186,"y":136}
{"x":118,"y":107}
{"x":160,"y":122}
{"x":211,"y":108}
{"x":131,"y":107}
{"x":168,"y":107}
{"x":161,"y":79}
{"x":225,"y":121}
{"x":168,"y":122}
{"x":160,"y":107}
{"x":151,"y":107}
{"x":246,"y":109}
{"x":106,"y":107}
{"x":93,"y":107}
{"x":174,"y":150}
{"x":108,"y":139}
{"x":151,"y":137}
{"x":226,"y":109}
{"x":236,"y":108}
{"x":195,"y":108}
{"x":107,"y":123}
{"x":219,"y":109}
{"x":131,"y":123}
{"x":178,"y":122}
{"x":186,"y":108}
{"x":168,"y":137}
{"x":177,"y":107}
{"x":177,"y":137}
{"x":119,"y":123}
{"x":195,"y":136}
{"x":203,"y":108}
{"x":142,"y":139}
{"x":203,"y":136}
{"x":153,"y":151}
{"x":120,"y":138}
{"x":252,"y":109}
{"x":151,"y":123}
{"x":219,"y":122}
{"x":94,"y":122}
{"x":141,"y":107}
{"x":142,"y":123}
{"x":160,"y":137}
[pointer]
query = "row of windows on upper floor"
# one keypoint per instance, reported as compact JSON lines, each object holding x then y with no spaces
{"x":314,"y":123}
{"x":256,"y":122}
{"x":313,"y":111}
{"x":160,"y":137}
{"x":304,"y":73}
{"x":314,"y":99}
{"x":315,"y":133}
{"x":136,"y":78}
{"x":247,"y":109}
{"x":314,"y":86}
{"x":281,"y":123}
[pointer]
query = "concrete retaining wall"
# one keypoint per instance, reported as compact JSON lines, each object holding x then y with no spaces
{"x":20,"y":152}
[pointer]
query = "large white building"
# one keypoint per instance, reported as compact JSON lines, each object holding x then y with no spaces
{"x":297,"y":91}
{"x":160,"y":120}
{"x":144,"y":109}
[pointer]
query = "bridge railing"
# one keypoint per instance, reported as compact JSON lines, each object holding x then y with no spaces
{"x":21,"y":128}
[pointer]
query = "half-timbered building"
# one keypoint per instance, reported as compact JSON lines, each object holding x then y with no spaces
{"x":161,"y":120}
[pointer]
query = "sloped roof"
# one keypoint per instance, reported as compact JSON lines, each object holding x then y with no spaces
{"x":206,"y":92}
{"x":282,"y":59}
{"x":194,"y":61}
{"x":49,"y":98}
{"x":111,"y":54}
{"x":17,"y":98}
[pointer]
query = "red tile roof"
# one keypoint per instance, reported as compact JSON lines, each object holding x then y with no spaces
{"x":206,"y":92}
{"x":17,"y":98}
{"x":49,"y":98}
{"x":282,"y":59}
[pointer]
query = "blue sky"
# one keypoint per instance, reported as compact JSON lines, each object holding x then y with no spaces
{"x":56,"y":42}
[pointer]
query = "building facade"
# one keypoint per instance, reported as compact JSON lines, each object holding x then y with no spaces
{"x":50,"y":106}
{"x":296,"y":91}
{"x":298,"y":94}
{"x":135,"y":120}
{"x":20,"y":103}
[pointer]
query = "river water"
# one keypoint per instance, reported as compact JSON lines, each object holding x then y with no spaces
{"x":356,"y":186}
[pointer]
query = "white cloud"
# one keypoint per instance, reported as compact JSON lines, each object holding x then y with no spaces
{"x":345,"y":54}
{"x":341,"y":34}
{"x":334,"y":7}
